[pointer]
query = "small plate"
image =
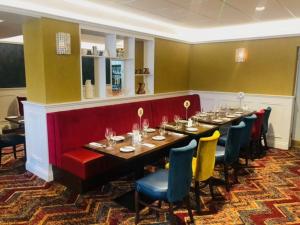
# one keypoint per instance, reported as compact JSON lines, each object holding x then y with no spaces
{"x":150,"y":130}
{"x":193,"y":129}
{"x":11,"y":117}
{"x":127,"y":149}
{"x":217,"y":121}
{"x":231,"y":116}
{"x":158,"y":138}
{"x":118,"y":138}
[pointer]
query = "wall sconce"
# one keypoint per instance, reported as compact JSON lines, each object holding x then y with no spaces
{"x":240,"y":55}
{"x":63,"y":43}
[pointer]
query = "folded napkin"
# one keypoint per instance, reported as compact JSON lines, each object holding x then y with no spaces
{"x":149,"y":145}
{"x":207,"y":125}
{"x":97,"y":145}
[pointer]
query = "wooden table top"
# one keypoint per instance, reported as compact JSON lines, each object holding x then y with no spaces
{"x":17,"y":119}
{"x":201,"y":128}
{"x":224,"y":120}
{"x":141,"y":149}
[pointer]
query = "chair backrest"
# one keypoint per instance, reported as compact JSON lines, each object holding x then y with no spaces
{"x":206,"y":156}
{"x":233,"y":143}
{"x":257,"y":127}
{"x":20,"y":104}
{"x":266,"y":119}
{"x":246,"y":137}
{"x":180,"y":172}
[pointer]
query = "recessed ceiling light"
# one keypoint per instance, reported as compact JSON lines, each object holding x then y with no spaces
{"x":260,"y":8}
{"x":1,"y":21}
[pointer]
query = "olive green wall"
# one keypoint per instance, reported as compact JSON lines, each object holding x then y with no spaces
{"x":51,"y":78}
{"x":269,"y":69}
{"x":171,"y":72}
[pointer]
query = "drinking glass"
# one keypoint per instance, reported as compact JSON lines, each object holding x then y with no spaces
{"x":176,"y":120}
{"x":161,"y":131}
{"x":112,"y":140}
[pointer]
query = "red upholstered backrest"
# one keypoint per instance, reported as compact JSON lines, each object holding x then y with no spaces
{"x":171,"y":106}
{"x":69,"y":130}
{"x":256,"y":128}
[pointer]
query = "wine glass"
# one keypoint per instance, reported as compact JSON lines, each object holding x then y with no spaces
{"x":164,"y":121}
{"x":176,"y":120}
{"x":112,"y":140}
{"x":108,"y":134}
{"x":145,"y":126}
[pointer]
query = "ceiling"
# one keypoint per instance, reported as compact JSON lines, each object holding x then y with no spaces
{"x":209,"y":13}
{"x":192,"y":21}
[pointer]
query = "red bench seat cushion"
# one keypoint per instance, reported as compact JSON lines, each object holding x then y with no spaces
{"x":84,"y":163}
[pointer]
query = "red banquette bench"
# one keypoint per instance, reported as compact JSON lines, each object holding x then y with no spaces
{"x":69,"y":131}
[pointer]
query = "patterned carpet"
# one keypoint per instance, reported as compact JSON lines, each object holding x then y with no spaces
{"x":268,"y":193}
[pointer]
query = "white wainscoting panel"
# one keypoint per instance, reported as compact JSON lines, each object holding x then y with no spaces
{"x":37,"y":141}
{"x":280,"y":122}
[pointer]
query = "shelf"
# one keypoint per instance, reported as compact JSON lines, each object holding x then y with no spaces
{"x":142,"y":74}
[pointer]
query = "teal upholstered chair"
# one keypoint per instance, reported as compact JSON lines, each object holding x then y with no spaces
{"x":265,"y":126}
{"x":228,"y":155}
{"x":11,"y":140}
{"x":245,"y":138}
{"x":172,"y":185}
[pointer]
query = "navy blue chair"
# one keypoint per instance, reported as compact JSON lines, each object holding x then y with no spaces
{"x":265,"y":126}
{"x":172,"y":185}
{"x":11,"y":140}
{"x":228,"y":155}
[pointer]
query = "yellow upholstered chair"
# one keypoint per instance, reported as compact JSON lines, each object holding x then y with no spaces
{"x":203,"y":165}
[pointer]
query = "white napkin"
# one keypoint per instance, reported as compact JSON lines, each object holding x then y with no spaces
{"x":97,"y":145}
{"x":149,"y":145}
{"x":176,"y":134}
{"x":170,"y":126}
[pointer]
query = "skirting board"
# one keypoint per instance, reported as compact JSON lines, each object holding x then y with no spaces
{"x":296,"y":143}
{"x":280,"y":122}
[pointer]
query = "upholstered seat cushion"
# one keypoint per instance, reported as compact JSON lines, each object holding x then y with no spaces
{"x":222,"y":140}
{"x":154,"y":185}
{"x":220,"y":153}
{"x":84,"y":163}
{"x":12,"y":139}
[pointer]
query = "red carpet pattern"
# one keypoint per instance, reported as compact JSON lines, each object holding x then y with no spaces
{"x":268,"y":192}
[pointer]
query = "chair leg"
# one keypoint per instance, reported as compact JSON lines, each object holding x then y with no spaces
{"x":226,"y":178}
{"x":15,"y":151}
{"x":188,"y":205}
{"x":197,"y":196}
{"x":171,"y":214}
{"x":265,"y":141}
{"x":211,"y":188}
{"x":157,"y":213}
{"x":137,"y":211}
{"x":235,"y":172}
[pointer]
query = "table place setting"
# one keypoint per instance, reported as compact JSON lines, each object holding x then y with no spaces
{"x":127,"y":149}
{"x":97,"y":145}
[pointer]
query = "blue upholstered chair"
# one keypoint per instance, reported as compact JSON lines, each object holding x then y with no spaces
{"x":265,"y":126}
{"x":228,"y":155}
{"x":172,"y":185}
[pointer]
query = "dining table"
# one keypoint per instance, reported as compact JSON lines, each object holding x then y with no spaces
{"x":124,"y":150}
{"x":220,"y":118}
{"x":16,"y":120}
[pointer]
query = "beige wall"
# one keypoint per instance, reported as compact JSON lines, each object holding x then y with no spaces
{"x":269,"y":69}
{"x":51,"y":78}
{"x":171,"y":66}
